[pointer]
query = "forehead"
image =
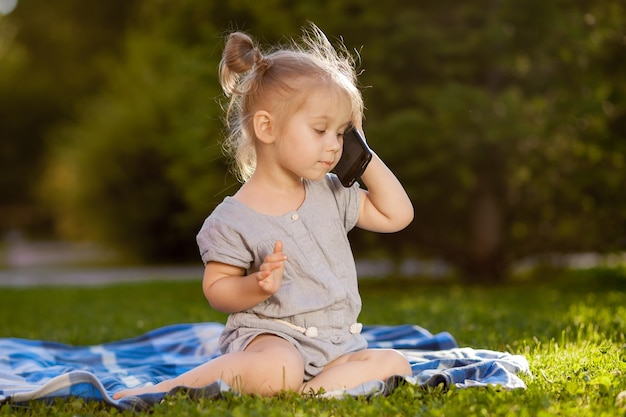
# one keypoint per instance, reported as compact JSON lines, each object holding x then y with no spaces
{"x":327,"y":102}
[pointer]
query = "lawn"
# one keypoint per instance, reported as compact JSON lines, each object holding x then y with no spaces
{"x":570,"y":325}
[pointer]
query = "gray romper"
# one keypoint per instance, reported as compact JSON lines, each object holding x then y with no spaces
{"x":317,"y":305}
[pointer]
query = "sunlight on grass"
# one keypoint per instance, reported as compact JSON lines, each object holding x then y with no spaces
{"x":571,"y":329}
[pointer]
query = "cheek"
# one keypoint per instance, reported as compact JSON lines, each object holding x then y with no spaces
{"x":302,"y":146}
{"x":293,"y":152}
{"x":301,"y":153}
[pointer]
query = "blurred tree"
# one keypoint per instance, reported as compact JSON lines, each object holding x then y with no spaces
{"x":506,"y":125}
{"x":511,"y":115}
{"x":52,"y":54}
{"x":142,"y":167}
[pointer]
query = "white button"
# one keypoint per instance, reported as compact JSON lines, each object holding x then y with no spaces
{"x":295,"y":216}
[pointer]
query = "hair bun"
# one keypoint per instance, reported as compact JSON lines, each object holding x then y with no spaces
{"x":240,"y":53}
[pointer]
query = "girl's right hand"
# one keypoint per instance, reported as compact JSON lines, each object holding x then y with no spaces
{"x":270,"y":275}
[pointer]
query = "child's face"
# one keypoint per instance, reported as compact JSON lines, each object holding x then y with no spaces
{"x":311,"y":142}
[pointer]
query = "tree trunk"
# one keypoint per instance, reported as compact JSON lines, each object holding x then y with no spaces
{"x":484,"y":263}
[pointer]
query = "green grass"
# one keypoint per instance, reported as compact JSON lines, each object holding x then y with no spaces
{"x":571,"y":327}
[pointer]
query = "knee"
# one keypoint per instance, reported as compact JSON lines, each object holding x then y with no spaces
{"x":394,"y":362}
{"x":282,"y":371}
{"x":290,"y":370}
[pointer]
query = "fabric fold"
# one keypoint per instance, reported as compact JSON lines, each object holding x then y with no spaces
{"x":33,"y":370}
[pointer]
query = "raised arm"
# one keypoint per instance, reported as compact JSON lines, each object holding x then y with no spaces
{"x":228,"y":290}
{"x":385,"y":206}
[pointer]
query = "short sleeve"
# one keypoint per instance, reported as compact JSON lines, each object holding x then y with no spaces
{"x":219,"y":240}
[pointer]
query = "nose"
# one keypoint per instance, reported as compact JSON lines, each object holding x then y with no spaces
{"x":334,"y":143}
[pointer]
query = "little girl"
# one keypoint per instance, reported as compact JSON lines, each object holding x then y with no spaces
{"x":276,"y":254}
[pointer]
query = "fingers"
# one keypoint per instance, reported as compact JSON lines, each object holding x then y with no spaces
{"x":270,"y":273}
{"x":278,"y":247}
{"x":277,"y":256}
{"x":272,"y":262}
{"x":266,"y":285}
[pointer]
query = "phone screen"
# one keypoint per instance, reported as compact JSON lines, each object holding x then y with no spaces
{"x":354,"y":158}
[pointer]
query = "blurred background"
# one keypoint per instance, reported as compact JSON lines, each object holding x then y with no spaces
{"x":505,"y":120}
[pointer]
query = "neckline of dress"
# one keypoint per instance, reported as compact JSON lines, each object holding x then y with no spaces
{"x":288,"y":214}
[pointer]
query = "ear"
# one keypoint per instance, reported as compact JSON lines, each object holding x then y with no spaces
{"x":264,"y":128}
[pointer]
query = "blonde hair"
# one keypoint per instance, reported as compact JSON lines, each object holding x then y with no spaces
{"x":277,"y":80}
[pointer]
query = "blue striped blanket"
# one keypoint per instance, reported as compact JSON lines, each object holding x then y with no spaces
{"x":44,"y":371}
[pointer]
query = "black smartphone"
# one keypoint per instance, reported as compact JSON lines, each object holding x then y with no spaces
{"x":354,"y":158}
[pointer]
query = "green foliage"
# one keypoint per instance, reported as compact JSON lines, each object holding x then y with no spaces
{"x":570,"y":327}
{"x":51,"y":56}
{"x":143,"y":168}
{"x":505,"y":123}
{"x":506,"y":137}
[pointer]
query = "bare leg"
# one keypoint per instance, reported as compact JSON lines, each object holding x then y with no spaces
{"x":356,"y":368}
{"x":269,"y":365}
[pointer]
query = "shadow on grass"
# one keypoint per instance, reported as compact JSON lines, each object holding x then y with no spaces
{"x":596,"y":279}
{"x":576,"y":280}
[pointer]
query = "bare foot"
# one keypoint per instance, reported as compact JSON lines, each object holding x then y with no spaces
{"x":147,"y":389}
